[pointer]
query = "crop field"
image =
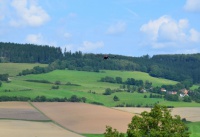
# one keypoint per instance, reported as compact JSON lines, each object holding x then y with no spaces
{"x":85,"y":118}
{"x":191,"y":113}
{"x":14,"y":68}
{"x":21,"y":119}
{"x":89,"y":120}
{"x":20,"y":111}
{"x":16,"y":128}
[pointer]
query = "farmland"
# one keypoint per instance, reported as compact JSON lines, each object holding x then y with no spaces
{"x":13,"y":69}
{"x":86,"y":84}
{"x":85,"y":118}
{"x":21,"y":119}
{"x":75,"y":116}
{"x":68,"y":119}
{"x":190,"y":113}
{"x":13,"y":128}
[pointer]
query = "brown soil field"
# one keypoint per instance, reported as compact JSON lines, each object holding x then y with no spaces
{"x":20,"y":110}
{"x":190,"y":113}
{"x":85,"y":118}
{"x":17,"y":128}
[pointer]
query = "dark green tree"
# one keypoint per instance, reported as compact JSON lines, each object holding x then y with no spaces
{"x":115,"y":98}
{"x":108,"y":91}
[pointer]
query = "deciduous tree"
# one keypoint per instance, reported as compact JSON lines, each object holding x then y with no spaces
{"x":157,"y":123}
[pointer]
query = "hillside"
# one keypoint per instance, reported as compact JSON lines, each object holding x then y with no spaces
{"x":41,"y":87}
{"x":14,"y":69}
{"x":165,"y":66}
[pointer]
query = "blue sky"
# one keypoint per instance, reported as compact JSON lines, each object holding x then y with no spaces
{"x":124,"y":27}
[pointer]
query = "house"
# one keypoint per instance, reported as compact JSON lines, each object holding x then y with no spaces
{"x":163,"y":90}
{"x":143,"y":90}
{"x":184,"y":91}
{"x":172,"y":92}
{"x":183,"y":95}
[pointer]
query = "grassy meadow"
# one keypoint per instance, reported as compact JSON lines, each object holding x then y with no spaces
{"x":194,"y":129}
{"x":83,"y":84}
{"x":14,"y":68}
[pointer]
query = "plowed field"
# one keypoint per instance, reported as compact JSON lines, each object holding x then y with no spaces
{"x":85,"y":118}
{"x":190,"y":113}
{"x":17,"y":128}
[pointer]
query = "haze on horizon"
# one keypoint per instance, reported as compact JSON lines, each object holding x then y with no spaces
{"x":124,"y":27}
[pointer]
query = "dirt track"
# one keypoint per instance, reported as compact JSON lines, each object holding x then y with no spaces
{"x":85,"y":118}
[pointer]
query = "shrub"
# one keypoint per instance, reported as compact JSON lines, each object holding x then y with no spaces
{"x":55,"y":87}
{"x":115,"y":98}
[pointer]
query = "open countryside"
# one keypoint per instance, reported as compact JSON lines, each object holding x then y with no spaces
{"x":107,"y":68}
{"x":67,"y":115}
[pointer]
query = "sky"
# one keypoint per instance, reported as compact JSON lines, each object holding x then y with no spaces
{"x":123,"y":27}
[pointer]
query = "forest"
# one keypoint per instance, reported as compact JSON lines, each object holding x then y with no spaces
{"x":179,"y":67}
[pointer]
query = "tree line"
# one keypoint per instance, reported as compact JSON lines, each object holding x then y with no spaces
{"x":179,"y":67}
{"x":73,"y":98}
{"x":28,"y":53}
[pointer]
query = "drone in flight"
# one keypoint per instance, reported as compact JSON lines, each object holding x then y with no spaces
{"x":105,"y":57}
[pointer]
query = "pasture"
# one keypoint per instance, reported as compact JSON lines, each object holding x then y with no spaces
{"x":194,"y":128}
{"x":13,"y":69}
{"x":86,"y":84}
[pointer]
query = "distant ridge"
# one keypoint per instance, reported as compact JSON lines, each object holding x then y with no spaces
{"x":178,"y":67}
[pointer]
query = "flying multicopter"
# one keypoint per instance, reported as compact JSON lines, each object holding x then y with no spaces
{"x":106,"y":56}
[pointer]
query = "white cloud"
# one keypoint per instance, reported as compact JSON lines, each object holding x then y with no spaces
{"x":38,"y":39}
{"x":89,"y":46}
{"x":35,"y":39}
{"x":28,"y":13}
{"x":117,"y":28}
{"x":165,"y":28}
{"x":194,"y":35}
{"x":192,"y":5}
{"x":165,"y":32}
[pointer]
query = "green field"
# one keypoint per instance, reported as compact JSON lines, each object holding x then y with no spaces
{"x":82,"y":84}
{"x":85,"y":82}
{"x":194,"y":128}
{"x":14,"y":68}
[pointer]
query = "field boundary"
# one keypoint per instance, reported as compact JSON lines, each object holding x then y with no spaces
{"x":56,"y":123}
{"x":26,"y":120}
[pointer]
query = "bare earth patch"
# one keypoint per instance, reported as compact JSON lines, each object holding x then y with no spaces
{"x":17,"y":128}
{"x":20,"y":110}
{"x":190,"y":113}
{"x":85,"y":118}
